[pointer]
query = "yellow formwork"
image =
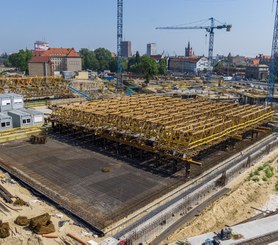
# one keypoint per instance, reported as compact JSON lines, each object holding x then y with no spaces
{"x":32,"y":87}
{"x":19,"y":133}
{"x":171,"y":126}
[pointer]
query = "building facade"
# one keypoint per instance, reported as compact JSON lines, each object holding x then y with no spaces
{"x":258,"y":72}
{"x":46,"y":63}
{"x":188,"y":65}
{"x":151,"y":49}
{"x":126,"y":49}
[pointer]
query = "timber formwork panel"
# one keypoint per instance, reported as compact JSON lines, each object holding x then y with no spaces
{"x":169,"y":126}
{"x":34,"y":87}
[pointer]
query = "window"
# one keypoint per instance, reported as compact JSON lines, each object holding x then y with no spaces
{"x":24,"y":121}
{"x":28,"y":120}
{"x":8,"y":124}
{"x":3,"y":125}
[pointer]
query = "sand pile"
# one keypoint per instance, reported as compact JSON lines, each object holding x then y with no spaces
{"x":253,"y":189}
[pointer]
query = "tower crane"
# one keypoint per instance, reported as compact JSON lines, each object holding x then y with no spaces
{"x":210,"y":30}
{"x":273,"y":61}
{"x":119,"y":42}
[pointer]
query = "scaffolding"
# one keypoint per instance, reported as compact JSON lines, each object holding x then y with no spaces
{"x":36,"y":87}
{"x":171,"y":127}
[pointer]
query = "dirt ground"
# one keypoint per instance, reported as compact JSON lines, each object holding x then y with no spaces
{"x":236,"y":206}
{"x":22,"y":235}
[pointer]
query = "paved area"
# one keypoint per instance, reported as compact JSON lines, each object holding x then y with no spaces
{"x":75,"y":176}
{"x":251,"y":230}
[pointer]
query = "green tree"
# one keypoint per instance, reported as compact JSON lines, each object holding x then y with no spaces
{"x":20,"y":59}
{"x":148,"y":66}
{"x":162,"y":67}
{"x":89,"y":60}
{"x":137,"y":57}
{"x":104,"y":58}
{"x":219,"y":67}
{"x":113,"y":64}
{"x":132,"y":62}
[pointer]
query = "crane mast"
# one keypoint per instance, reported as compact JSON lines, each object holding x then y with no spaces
{"x":119,"y":42}
{"x":210,"y":30}
{"x":273,"y":61}
{"x":211,"y":43}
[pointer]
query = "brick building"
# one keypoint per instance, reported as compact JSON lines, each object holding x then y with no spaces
{"x":258,"y":72}
{"x":45,"y":63}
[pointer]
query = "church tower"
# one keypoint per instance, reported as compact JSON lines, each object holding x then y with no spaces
{"x":189,"y":51}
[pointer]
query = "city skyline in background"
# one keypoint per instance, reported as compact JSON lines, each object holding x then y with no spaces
{"x":92,"y":24}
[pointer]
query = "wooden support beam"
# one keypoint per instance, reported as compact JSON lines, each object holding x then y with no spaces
{"x":194,"y":162}
{"x":237,"y":137}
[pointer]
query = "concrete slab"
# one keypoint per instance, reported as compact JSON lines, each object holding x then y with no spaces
{"x":75,"y":176}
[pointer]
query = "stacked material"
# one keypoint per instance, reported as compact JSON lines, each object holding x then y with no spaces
{"x":36,"y":87}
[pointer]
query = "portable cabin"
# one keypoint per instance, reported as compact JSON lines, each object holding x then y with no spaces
{"x":5,"y":121}
{"x":37,"y":116}
{"x":20,"y":118}
{"x":26,"y":117}
{"x":5,"y":102}
{"x":17,"y":101}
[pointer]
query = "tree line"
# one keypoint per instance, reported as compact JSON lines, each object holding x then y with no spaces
{"x":98,"y":60}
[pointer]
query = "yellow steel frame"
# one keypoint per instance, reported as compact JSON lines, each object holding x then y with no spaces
{"x":170,"y":126}
{"x":32,"y":87}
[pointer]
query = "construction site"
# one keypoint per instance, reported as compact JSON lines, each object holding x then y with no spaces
{"x":108,"y":160}
{"x":137,"y":161}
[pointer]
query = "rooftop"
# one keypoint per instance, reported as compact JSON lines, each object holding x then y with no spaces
{"x":57,"y":52}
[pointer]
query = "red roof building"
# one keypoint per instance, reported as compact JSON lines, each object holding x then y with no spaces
{"x":45,"y":63}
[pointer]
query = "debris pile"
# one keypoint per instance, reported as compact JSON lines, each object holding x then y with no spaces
{"x":4,"y":230}
{"x":19,"y":202}
{"x":22,"y":221}
{"x":42,"y":224}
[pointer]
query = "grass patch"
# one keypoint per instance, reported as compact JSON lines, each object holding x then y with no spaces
{"x":265,"y":178}
{"x":255,"y":178}
{"x":266,"y":165}
{"x":276,"y":186}
{"x":257,"y":172}
{"x":269,"y":172}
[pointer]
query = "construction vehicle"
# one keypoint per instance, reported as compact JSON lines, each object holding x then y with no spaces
{"x":226,"y":233}
{"x":210,"y":241}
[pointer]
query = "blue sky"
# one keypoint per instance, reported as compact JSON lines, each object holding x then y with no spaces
{"x":92,"y":24}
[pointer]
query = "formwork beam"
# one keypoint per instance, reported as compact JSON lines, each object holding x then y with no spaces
{"x":171,"y":127}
